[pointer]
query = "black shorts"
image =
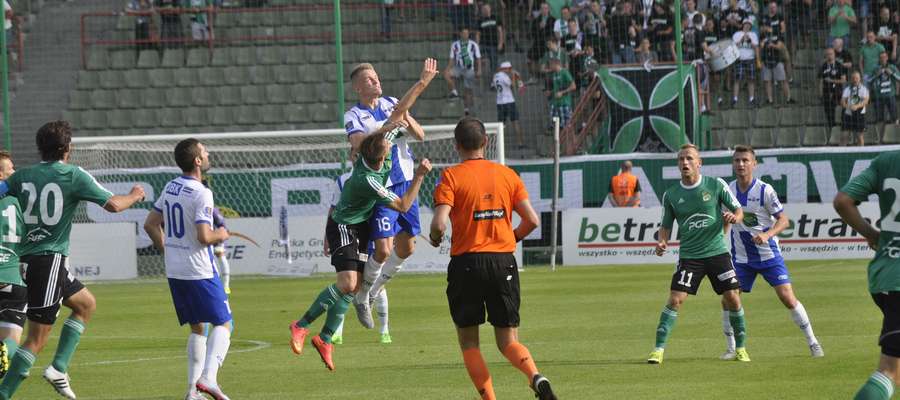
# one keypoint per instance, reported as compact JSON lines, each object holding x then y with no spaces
{"x":13,"y":303}
{"x":689,"y":274}
{"x":49,"y":282}
{"x":479,"y":281}
{"x":855,"y":122}
{"x":889,"y":303}
{"x":348,"y":245}
{"x":507,"y":112}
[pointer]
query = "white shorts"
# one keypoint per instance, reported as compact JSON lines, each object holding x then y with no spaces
{"x":200,"y":31}
{"x":467,"y":75}
{"x":778,"y":71}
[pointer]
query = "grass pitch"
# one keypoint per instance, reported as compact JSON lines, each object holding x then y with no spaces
{"x":590,"y":330}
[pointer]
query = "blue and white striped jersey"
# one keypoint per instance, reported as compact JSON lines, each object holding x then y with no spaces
{"x":339,"y":187}
{"x":761,"y":209}
{"x":362,"y":119}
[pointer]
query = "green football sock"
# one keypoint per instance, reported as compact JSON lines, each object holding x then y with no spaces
{"x":68,"y":341}
{"x":666,"y":323}
{"x":878,"y":387}
{"x":739,"y":326}
{"x":327,"y":298}
{"x":335,"y":317}
{"x":18,"y":371}
{"x":11,"y":347}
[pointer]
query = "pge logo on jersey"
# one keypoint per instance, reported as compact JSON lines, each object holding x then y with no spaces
{"x":699,"y":221}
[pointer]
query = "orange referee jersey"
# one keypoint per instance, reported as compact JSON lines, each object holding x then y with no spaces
{"x":623,"y":187}
{"x":481,"y":195}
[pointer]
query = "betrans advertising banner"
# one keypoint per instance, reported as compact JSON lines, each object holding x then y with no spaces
{"x":628,"y":235}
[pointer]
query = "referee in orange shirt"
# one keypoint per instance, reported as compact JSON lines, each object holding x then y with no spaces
{"x":478,"y":197}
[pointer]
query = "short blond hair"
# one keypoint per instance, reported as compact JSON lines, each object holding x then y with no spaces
{"x":359,"y":68}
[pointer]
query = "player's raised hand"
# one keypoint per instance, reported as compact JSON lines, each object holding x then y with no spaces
{"x":138,"y":191}
{"x":729,"y":217}
{"x":429,"y":70}
{"x":424,"y":167}
{"x":661,"y":248}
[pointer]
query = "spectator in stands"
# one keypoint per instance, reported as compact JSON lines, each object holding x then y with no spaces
{"x":506,"y":81}
{"x":773,"y":68}
{"x":462,"y":14}
{"x":772,"y":26}
{"x":690,"y":10}
{"x":692,"y":49}
{"x":886,"y":31}
{"x":387,"y":7}
{"x":589,"y":65}
{"x":660,"y":29}
{"x":170,"y":22}
{"x":513,"y":14}
{"x":541,"y":31}
{"x":748,"y":61}
{"x":593,"y":25}
{"x":732,"y":19}
{"x":142,"y":10}
{"x":799,"y":22}
{"x":562,"y":85}
{"x":465,"y":64}
{"x":8,"y":16}
{"x":884,"y":91}
{"x":623,"y":33}
{"x":840,"y":18}
{"x":854,"y":100}
{"x":554,"y":52}
{"x":842,"y":55}
{"x":834,"y":76}
{"x":561,"y":26}
{"x":710,"y":37}
{"x":490,"y":36}
{"x":572,"y":44}
{"x":868,"y":57}
{"x":645,"y":54}
{"x":624,"y":188}
{"x":200,"y":19}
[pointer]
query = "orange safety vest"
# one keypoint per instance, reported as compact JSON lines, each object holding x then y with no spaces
{"x":623,"y":186}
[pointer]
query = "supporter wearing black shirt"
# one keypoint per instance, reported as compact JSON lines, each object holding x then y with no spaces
{"x":660,"y":28}
{"x":834,"y":76}
{"x":541,"y":30}
{"x":622,"y":33}
{"x":772,"y":26}
{"x":886,"y":32}
{"x":489,"y":35}
{"x":842,"y":55}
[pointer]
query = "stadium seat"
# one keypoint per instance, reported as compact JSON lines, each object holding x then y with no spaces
{"x":790,"y":116}
{"x":120,"y":119}
{"x":74,"y":118}
{"x":98,"y":59}
{"x":248,"y":115}
{"x":766,"y":117}
{"x":221,"y":57}
{"x":272,"y":114}
{"x":145,"y":118}
{"x":178,"y":97}
{"x":873,"y":133}
{"x":309,"y":73}
{"x":269,"y":55}
{"x":734,"y":137}
{"x":220,"y":116}
{"x":736,"y":118}
{"x":834,"y":138}
{"x":93,"y":119}
{"x":761,"y":138}
{"x":409,"y":70}
{"x":320,"y":54}
{"x":162,"y":78}
{"x":302,"y":92}
{"x":226,"y":19}
{"x":148,"y":59}
{"x":294,"y":55}
{"x":203,"y":96}
{"x":248,"y":19}
{"x":103,"y":99}
{"x":322,"y":112}
{"x":211,"y":76}
{"x":252,"y":94}
{"x":277,"y":94}
{"x":815,"y":136}
{"x":261,"y":74}
{"x":197,"y":57}
{"x":236,"y":75}
{"x":111,"y":79}
{"x":229,"y":95}
{"x":243,"y":56}
{"x":195,"y":116}
{"x":891,"y":134}
{"x":296,"y":113}
{"x":171,"y":117}
{"x":122,"y":59}
{"x":125,"y":22}
{"x":88,"y":80}
{"x":173,"y":58}
{"x":239,"y":34}
{"x":186,"y":77}
{"x":79,"y":100}
{"x":128,"y":98}
{"x":285,"y":74}
{"x":454,"y":110}
{"x":815,"y":116}
{"x":326,"y":92}
{"x":153,"y":98}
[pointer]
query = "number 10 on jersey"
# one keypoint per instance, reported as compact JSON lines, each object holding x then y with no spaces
{"x":175,"y":220}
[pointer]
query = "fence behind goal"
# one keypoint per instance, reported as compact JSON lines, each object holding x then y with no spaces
{"x":254,"y":176}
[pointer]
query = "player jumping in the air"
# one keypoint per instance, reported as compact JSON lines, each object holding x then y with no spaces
{"x":755,"y":249}
{"x":13,"y":294}
{"x":50,"y":192}
{"x":393,"y":232}
{"x":182,"y":226}
{"x":881,"y":178}
{"x":348,"y":231}
{"x":381,"y":299}
{"x":696,"y":204}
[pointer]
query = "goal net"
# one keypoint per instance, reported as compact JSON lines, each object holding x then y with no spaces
{"x":255,"y":176}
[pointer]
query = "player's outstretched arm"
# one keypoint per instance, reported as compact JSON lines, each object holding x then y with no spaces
{"x":404,"y":203}
{"x":153,"y":225}
{"x":848,"y":210}
{"x":429,"y":71}
{"x":119,"y":203}
{"x":207,"y":236}
{"x":530,"y":220}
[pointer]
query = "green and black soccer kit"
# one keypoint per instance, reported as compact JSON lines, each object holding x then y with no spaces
{"x":703,"y":251}
{"x":50,"y":192}
{"x":882,"y":177}
{"x":13,"y":295}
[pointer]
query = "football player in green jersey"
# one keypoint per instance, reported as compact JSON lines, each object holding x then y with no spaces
{"x":50,"y":193}
{"x":696,"y":203}
{"x":882,"y":177}
{"x":13,"y":294}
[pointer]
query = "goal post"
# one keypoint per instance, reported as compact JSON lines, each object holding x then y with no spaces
{"x":254,"y":175}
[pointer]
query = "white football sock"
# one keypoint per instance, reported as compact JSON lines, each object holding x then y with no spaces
{"x":370,"y":274}
{"x":224,"y":270}
{"x":196,"y":355}
{"x":381,"y":308}
{"x":217,"y":348}
{"x":798,"y":314}
{"x":393,"y":265}
{"x":727,"y":330}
